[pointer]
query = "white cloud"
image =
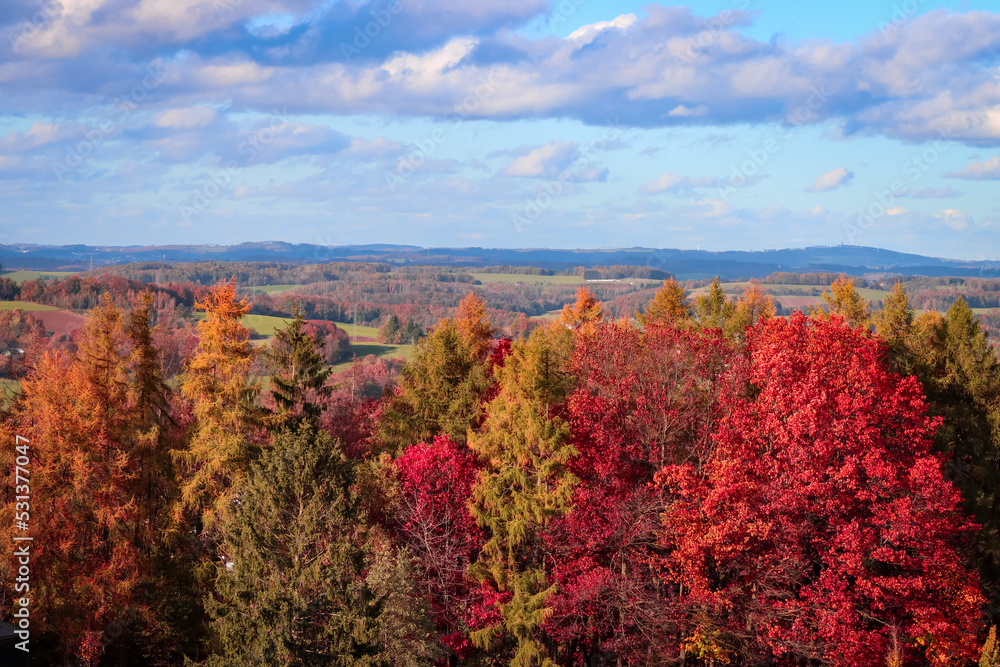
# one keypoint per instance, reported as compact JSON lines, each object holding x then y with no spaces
{"x":667,"y":181}
{"x":185,"y":119}
{"x":831,"y":180}
{"x":588,"y":32}
{"x":957,"y":220}
{"x":979,"y":171}
{"x":545,"y":161}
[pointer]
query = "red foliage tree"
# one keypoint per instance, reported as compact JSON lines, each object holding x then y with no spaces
{"x":822,"y":528}
{"x":644,"y":399}
{"x":436,"y":481}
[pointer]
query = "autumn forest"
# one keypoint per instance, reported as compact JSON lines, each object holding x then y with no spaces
{"x":649,"y":476}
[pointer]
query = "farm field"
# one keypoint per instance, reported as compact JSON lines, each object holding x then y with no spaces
{"x":25,"y":306}
{"x":276,"y":289}
{"x":21,"y":275}
{"x":529,"y":280}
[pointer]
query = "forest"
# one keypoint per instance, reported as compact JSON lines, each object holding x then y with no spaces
{"x":654,"y":475}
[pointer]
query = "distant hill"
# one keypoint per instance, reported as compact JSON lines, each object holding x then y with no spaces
{"x":729,"y":265}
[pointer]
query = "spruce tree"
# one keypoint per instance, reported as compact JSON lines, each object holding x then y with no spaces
{"x":389,"y":331}
{"x":291,"y":589}
{"x":300,"y":372}
{"x":526,"y":484}
{"x":440,"y":390}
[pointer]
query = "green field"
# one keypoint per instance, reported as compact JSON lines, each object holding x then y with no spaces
{"x":25,"y":305}
{"x":530,"y":280}
{"x":791,"y":290}
{"x":20,"y":276}
{"x":276,"y":289}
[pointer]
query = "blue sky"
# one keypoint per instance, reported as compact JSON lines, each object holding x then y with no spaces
{"x":730,"y":124}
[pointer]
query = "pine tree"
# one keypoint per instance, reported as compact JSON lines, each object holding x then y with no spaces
{"x":525,"y":486}
{"x":223,"y":440}
{"x":586,"y":312}
{"x":292,"y":590}
{"x":668,"y":306}
{"x":440,"y":391}
{"x":714,"y":310}
{"x":300,"y":372}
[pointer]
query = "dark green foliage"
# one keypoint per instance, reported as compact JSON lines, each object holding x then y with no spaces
{"x":292,"y":590}
{"x":441,"y":390}
{"x":300,"y":372}
{"x":389,"y":332}
{"x":961,"y":376}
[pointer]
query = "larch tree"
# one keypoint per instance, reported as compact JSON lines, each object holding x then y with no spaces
{"x":843,"y":300}
{"x":224,"y":438}
{"x":586,"y":312}
{"x":474,"y":325}
{"x":668,"y":306}
{"x":714,"y":310}
{"x":524,"y":445}
{"x":97,"y":451}
{"x":961,"y":374}
{"x":753,"y":306}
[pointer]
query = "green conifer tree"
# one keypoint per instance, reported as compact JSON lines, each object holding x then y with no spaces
{"x":440,"y":391}
{"x":525,"y":485}
{"x":300,"y":372}
{"x":714,"y":310}
{"x":292,"y":589}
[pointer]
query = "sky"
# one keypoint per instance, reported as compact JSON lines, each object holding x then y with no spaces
{"x":722,"y":125}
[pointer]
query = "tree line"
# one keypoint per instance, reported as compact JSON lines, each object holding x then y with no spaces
{"x":704,"y":483}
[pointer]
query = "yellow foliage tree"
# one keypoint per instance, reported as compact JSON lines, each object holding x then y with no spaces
{"x":474,"y":326}
{"x":586,"y":311}
{"x":223,"y":441}
{"x":668,"y":306}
